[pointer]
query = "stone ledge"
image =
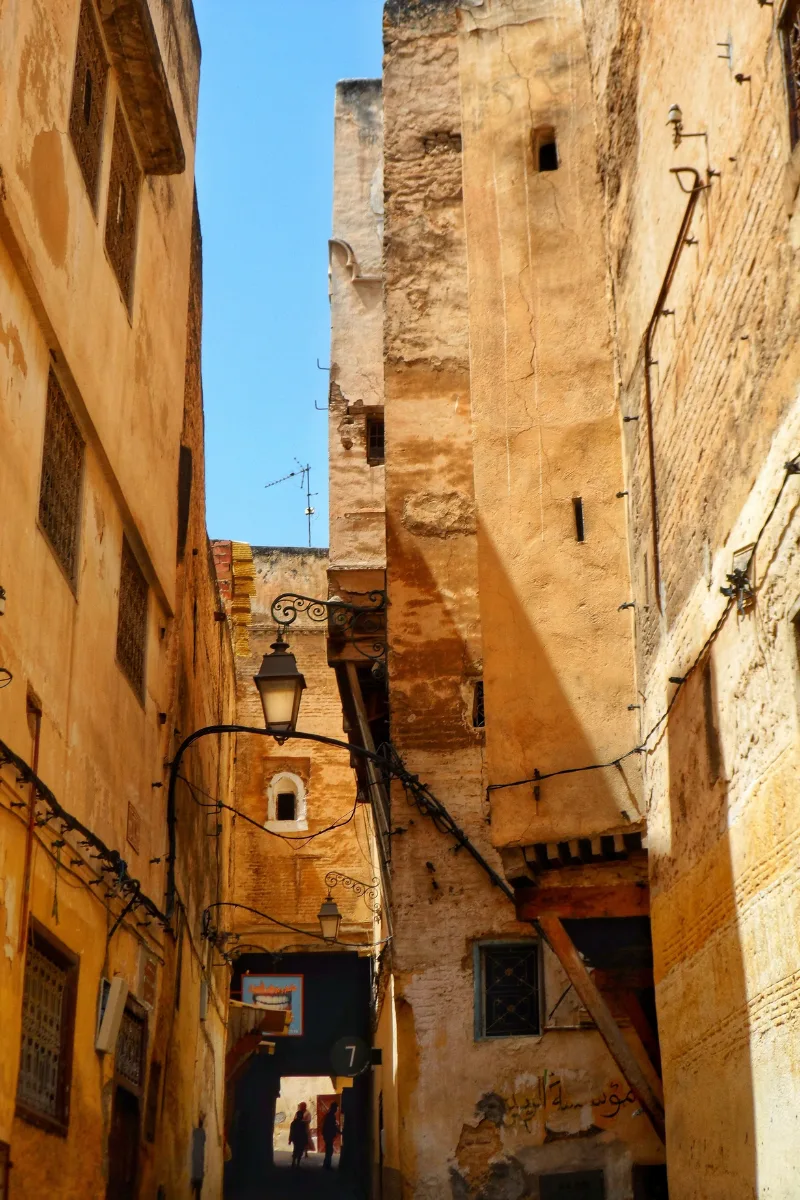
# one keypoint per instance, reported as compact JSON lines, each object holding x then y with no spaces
{"x":136,"y":57}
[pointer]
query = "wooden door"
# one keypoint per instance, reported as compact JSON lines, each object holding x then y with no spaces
{"x":123,"y":1146}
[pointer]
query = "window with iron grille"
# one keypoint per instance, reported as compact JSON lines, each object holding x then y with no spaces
{"x":132,"y":620}
{"x":123,"y":206}
{"x":62,"y":471}
{"x":88,"y":98}
{"x":129,"y":1058}
{"x":790,"y":36}
{"x":48,"y":1015}
{"x":375,"y":441}
{"x":478,"y":715}
{"x":507,"y":991}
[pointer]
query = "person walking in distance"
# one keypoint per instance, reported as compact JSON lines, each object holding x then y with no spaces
{"x":330,"y":1132}
{"x":198,"y":1157}
{"x":298,"y":1135}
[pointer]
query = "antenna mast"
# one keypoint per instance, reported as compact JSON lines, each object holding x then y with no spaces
{"x":305,"y":478}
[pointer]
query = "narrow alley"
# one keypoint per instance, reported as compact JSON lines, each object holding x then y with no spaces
{"x":399,"y":599}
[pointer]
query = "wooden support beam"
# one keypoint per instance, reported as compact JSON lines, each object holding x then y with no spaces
{"x":620,"y":900}
{"x":647,"y":1090}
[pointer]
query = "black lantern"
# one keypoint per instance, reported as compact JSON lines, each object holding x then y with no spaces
{"x":280,"y":686}
{"x":329,"y":919}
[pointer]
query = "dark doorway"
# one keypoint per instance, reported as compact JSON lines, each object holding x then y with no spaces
{"x":123,"y":1146}
{"x":336,"y":997}
{"x":650,"y":1183}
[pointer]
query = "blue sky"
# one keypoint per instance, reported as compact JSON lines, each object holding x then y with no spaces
{"x":264,"y":172}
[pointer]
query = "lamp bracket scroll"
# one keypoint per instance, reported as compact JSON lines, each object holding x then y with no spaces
{"x":369,"y":891}
{"x":362,"y":626}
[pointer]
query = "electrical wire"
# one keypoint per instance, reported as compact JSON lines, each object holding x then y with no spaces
{"x":791,"y":468}
{"x":304,"y":839}
{"x":214,"y":935}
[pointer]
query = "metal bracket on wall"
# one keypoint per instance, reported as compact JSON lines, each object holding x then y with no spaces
{"x":362,"y":626}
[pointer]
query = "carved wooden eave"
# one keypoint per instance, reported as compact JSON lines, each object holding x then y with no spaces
{"x":136,"y":57}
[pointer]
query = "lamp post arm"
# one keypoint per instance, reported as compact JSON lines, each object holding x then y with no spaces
{"x":424,"y":799}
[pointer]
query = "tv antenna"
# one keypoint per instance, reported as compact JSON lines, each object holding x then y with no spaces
{"x":305,"y":479}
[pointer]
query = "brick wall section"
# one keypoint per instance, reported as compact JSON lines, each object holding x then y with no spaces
{"x":724,"y":822}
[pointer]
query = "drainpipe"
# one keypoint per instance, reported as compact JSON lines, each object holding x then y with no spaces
{"x":693,"y":193}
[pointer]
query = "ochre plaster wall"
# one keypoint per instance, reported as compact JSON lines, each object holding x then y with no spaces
{"x":282,"y":872}
{"x":720,"y":778}
{"x":477,"y":1117}
{"x":558,"y":653}
{"x":357,"y":520}
{"x":133,"y":384}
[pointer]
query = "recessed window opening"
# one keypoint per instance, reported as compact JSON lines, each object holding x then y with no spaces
{"x":546,"y":149}
{"x":285,"y":806}
{"x":478,"y":714}
{"x":577,"y":508}
{"x":507,"y":989}
{"x":376,"y":451}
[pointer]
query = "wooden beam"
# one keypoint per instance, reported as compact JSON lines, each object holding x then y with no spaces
{"x":620,"y":900}
{"x":642,"y":1083}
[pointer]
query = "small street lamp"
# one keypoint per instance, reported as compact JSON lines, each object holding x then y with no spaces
{"x":329,"y":919}
{"x":281,"y":687}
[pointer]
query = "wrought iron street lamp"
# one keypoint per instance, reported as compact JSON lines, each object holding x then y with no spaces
{"x":329,"y":919}
{"x":280,"y":686}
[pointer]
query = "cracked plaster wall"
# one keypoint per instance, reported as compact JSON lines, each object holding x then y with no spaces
{"x":460,"y":1100}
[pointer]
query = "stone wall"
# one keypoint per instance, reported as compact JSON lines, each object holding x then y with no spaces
{"x":715,"y":408}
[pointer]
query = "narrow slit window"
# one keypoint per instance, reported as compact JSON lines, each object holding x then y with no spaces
{"x":478,"y":714}
{"x":546,"y":148}
{"x":577,"y":508}
{"x":285,"y":806}
{"x":124,"y":186}
{"x":376,"y":450}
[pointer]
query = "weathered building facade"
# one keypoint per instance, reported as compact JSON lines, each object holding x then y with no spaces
{"x":588,"y":399}
{"x":113,"y":1009}
{"x":303,"y":834}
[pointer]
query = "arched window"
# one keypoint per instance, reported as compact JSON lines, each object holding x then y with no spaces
{"x":286,"y":802}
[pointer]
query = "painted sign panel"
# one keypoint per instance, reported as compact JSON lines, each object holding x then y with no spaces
{"x":281,"y":992}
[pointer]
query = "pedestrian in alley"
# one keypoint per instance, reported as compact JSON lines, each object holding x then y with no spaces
{"x":198,"y":1157}
{"x":330,"y":1132}
{"x":298,"y":1135}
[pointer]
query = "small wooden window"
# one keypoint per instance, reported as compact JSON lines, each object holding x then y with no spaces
{"x":790,"y":37}
{"x":48,"y":1021}
{"x":375,"y":441}
{"x":132,"y":620}
{"x":88,"y":98}
{"x":62,"y":472}
{"x":285,"y":806}
{"x":478,"y":713}
{"x":508,"y":990}
{"x":123,"y":207}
